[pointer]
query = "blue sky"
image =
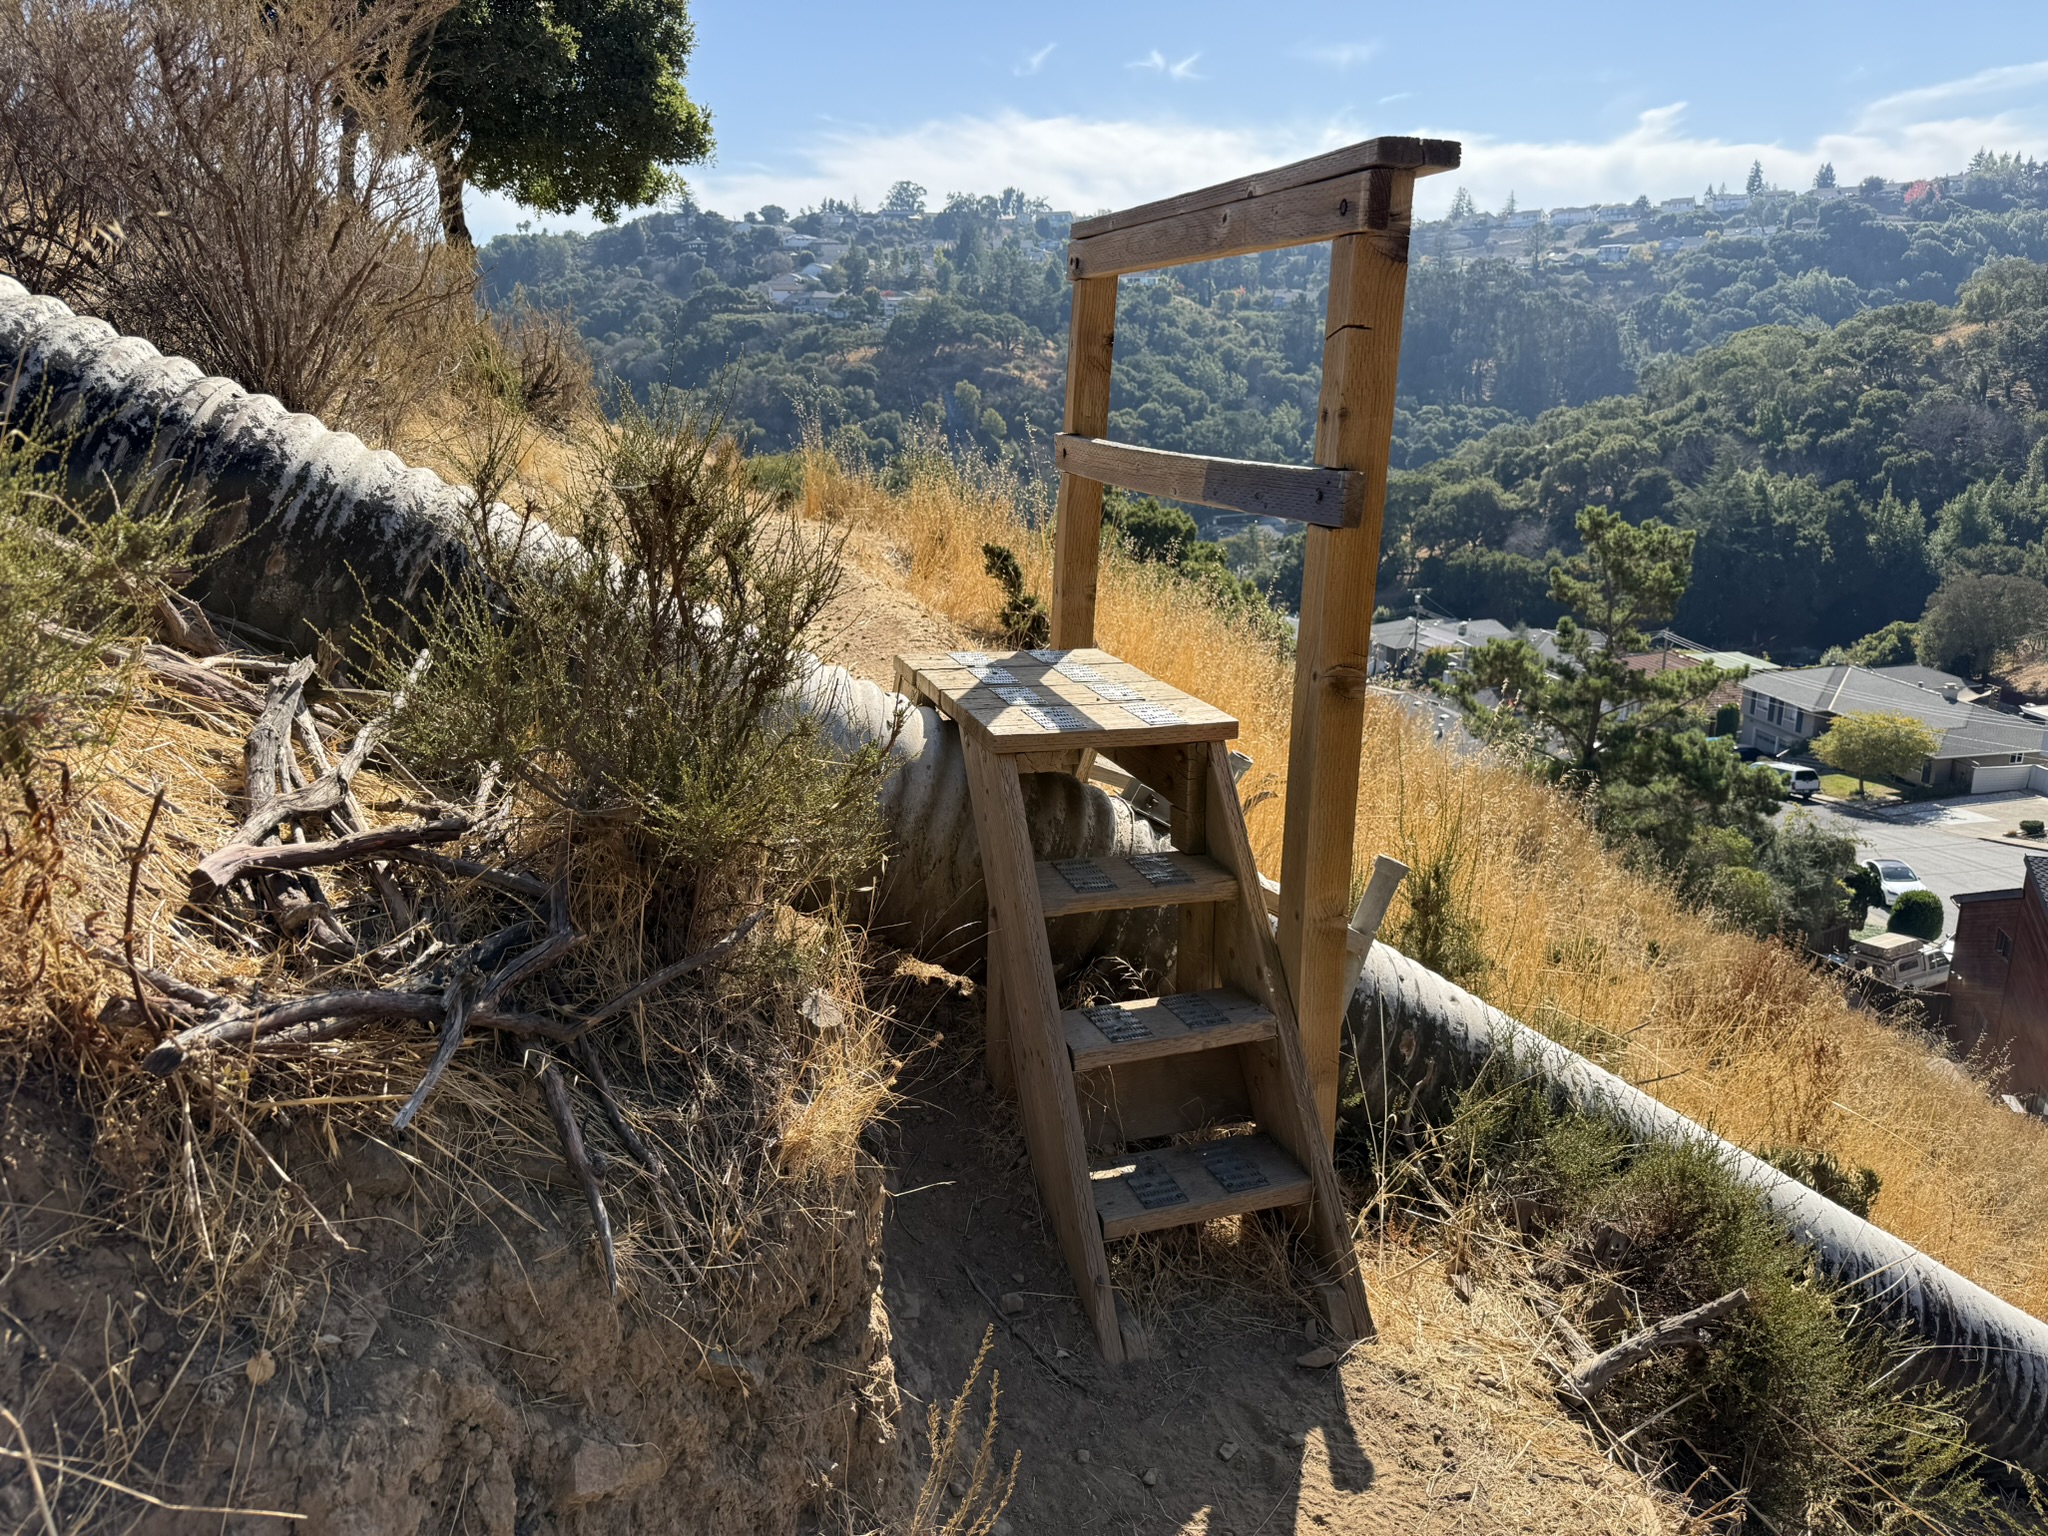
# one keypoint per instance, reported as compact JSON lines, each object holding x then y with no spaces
{"x":1556,"y":103}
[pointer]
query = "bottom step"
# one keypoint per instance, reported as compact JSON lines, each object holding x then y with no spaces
{"x":1185,"y":1186}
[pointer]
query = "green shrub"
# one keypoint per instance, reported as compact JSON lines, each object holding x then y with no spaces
{"x":96,"y":576}
{"x":1917,"y":913}
{"x":1796,"y":1402}
{"x":639,"y":678}
{"x":1024,"y":623}
{"x":2032,"y":828}
{"x":1853,"y":1190}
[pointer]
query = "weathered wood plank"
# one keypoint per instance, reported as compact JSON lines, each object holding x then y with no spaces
{"x":1425,"y":157}
{"x":1077,"y":515}
{"x":1149,"y":1027}
{"x":1210,"y":1178}
{"x":1328,"y":498}
{"x":1118,"y":885}
{"x":1276,"y":1073}
{"x":1044,"y":1074}
{"x":1354,"y":423}
{"x":1353,"y":204}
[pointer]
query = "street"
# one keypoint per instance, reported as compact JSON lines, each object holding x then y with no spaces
{"x":1944,"y":840}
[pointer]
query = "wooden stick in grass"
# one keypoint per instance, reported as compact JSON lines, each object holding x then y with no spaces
{"x":556,"y":1089}
{"x":1588,"y":1381}
{"x":221,"y":869}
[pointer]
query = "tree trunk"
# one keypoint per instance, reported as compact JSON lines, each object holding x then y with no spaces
{"x":351,"y":131}
{"x":454,"y":225}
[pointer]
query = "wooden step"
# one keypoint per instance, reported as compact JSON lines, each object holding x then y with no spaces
{"x":1148,"y":1027}
{"x":1141,"y":880}
{"x":1184,"y":1186}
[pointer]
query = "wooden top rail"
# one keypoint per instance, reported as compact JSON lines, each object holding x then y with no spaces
{"x":1328,"y":498}
{"x":1315,"y":199}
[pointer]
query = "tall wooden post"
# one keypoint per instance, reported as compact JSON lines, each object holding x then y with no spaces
{"x":1354,"y":427}
{"x":1077,"y":528}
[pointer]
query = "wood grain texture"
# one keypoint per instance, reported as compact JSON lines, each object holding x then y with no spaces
{"x":1128,"y":890}
{"x":1206,"y":1199}
{"x":1276,"y":1072}
{"x":1044,"y":1075}
{"x":1165,"y":1034}
{"x":1325,"y":210}
{"x":983,"y":701}
{"x":1077,"y":517}
{"x":1327,"y":498}
{"x":1354,"y":424}
{"x":1143,"y":1099}
{"x":1425,"y":157}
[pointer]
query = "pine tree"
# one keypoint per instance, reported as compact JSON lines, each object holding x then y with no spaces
{"x":1755,"y":184}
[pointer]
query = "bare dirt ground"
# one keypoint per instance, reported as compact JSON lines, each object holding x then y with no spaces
{"x":1447,"y":1423}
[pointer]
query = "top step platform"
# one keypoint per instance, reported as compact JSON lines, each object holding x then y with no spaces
{"x":1036,"y":701}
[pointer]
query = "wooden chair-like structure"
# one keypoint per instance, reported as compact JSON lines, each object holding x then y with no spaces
{"x":1249,"y":1031}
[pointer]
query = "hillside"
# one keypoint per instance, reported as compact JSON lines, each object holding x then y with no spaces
{"x":1218,"y":358}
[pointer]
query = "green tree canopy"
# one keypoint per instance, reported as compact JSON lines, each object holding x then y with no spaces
{"x":1917,"y":913}
{"x":1875,"y":746}
{"x":561,"y":103}
{"x":1973,"y":618}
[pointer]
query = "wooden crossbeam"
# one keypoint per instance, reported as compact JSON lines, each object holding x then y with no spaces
{"x":1296,"y":205}
{"x":1328,"y":498}
{"x":1425,"y":157}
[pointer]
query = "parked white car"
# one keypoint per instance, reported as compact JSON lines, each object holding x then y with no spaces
{"x":1801,"y":782}
{"x":1896,"y":877}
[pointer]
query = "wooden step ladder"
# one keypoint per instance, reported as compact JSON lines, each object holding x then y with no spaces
{"x":1221,"y":1049}
{"x":1249,"y":1034}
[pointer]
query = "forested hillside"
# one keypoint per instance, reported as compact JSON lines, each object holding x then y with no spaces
{"x":1834,"y":476}
{"x":1221,"y":358}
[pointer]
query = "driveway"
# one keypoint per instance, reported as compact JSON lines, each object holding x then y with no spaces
{"x":1942,"y":839}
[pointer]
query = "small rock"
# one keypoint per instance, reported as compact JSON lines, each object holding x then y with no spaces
{"x":1017,"y":1276}
{"x":1462,"y":1286}
{"x":1297,"y":1440}
{"x":1309,"y":1330}
{"x":1317,"y":1358}
{"x":261,"y":1367}
{"x":1226,"y":1450}
{"x":1012,"y":1303}
{"x":957,"y":1486}
{"x":910,"y":1306}
{"x":1151,"y":1477}
{"x":1083,"y":1456}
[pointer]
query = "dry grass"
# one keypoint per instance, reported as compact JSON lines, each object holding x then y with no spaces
{"x":1734,"y":1032}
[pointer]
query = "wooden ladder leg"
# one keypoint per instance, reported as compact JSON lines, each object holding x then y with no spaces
{"x":1002,"y":1072}
{"x":1276,"y":1072}
{"x":1038,"y":1050}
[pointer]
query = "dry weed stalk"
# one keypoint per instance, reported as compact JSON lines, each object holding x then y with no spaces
{"x":1735,"y":1032}
{"x":984,"y":1488}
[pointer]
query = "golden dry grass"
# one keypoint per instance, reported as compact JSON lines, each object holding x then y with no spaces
{"x":1735,"y":1032}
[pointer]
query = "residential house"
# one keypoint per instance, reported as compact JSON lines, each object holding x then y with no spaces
{"x":781,"y":289}
{"x":1398,"y":644}
{"x":1998,"y":989}
{"x":1566,"y":218}
{"x":1977,"y":750}
{"x":1680,"y":204}
{"x":1728,"y":202}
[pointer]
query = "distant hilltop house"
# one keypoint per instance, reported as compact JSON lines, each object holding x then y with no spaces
{"x":1998,"y":992}
{"x":1978,"y":751}
{"x":1399,"y":644}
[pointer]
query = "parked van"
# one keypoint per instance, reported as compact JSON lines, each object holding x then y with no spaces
{"x":1800,"y":781}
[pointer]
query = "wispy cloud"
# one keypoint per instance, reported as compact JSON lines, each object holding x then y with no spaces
{"x":1034,"y":62}
{"x":1388,"y":101}
{"x":1341,"y":57}
{"x":1155,"y":62}
{"x":1920,"y":132}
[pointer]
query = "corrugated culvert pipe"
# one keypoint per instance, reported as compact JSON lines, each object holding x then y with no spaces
{"x":1420,"y":1039}
{"x":328,"y":532}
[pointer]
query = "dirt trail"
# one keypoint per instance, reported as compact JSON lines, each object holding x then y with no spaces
{"x":1444,"y":1425}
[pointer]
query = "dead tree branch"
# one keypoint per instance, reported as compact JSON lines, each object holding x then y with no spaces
{"x":1588,"y":1381}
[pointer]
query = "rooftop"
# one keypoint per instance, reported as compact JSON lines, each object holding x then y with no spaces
{"x":1964,"y":730}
